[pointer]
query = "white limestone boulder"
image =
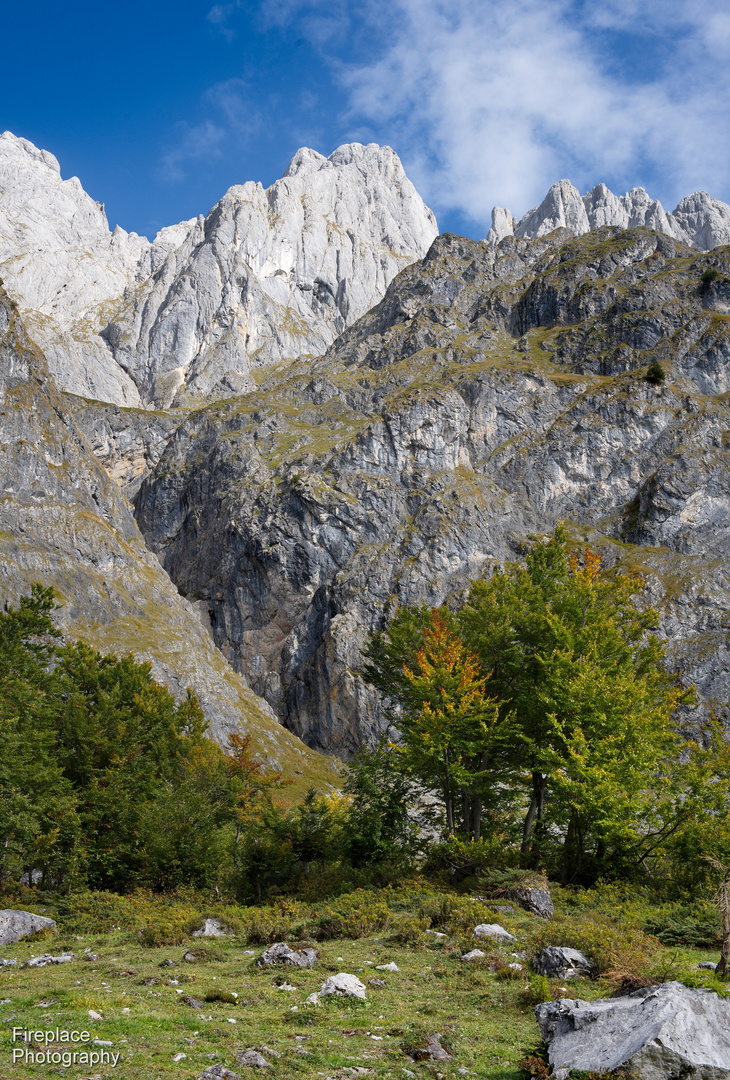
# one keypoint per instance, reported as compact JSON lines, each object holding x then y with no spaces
{"x":493,"y":931}
{"x":559,"y":962}
{"x":343,"y":985}
{"x":15,"y":925}
{"x":654,"y":1034}
{"x":281,"y":953}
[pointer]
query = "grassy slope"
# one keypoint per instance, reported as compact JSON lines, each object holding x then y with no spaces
{"x":485,"y":1019}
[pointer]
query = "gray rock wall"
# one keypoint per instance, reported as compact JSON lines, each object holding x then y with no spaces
{"x":64,"y":523}
{"x":493,"y":392}
{"x":268,"y":274}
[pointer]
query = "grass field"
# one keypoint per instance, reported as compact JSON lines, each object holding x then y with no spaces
{"x":485,"y":1016}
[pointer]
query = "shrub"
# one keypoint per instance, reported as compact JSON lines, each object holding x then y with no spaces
{"x":265,"y":925}
{"x":352,"y":921}
{"x":410,"y":930}
{"x":460,"y":914}
{"x":677,"y":930}
{"x":710,"y":275}
{"x":537,"y":991}
{"x":98,"y":912}
{"x":655,"y":373}
{"x":536,"y":1062}
{"x":619,"y":952}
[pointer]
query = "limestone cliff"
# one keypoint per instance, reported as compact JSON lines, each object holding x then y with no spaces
{"x":698,"y":220}
{"x":64,"y":523}
{"x":268,"y":274}
{"x":492,"y":392}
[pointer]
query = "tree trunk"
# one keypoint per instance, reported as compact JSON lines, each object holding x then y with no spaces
{"x":448,"y":800}
{"x":724,"y":904}
{"x":466,"y":813}
{"x":477,"y":816}
{"x":572,"y":849}
{"x":528,"y":851}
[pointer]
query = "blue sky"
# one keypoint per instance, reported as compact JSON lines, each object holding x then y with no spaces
{"x":159,"y":107}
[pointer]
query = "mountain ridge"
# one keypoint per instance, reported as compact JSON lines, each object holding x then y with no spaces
{"x":267,"y":274}
{"x":698,"y":220}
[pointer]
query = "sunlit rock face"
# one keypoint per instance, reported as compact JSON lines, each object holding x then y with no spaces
{"x":698,"y":220}
{"x":269,"y":274}
{"x":493,"y":392}
{"x":64,"y":523}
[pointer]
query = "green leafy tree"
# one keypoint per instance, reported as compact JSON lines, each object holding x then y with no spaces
{"x":377,"y":826}
{"x":580,"y":703}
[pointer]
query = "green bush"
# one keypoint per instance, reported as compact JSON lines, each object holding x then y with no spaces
{"x":655,"y":373}
{"x":265,"y":925}
{"x":409,"y":930}
{"x":620,"y":952}
{"x":537,"y":991}
{"x":701,"y":933}
{"x":460,"y":914}
{"x":98,"y":912}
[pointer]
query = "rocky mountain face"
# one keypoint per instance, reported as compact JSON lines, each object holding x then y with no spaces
{"x":494,"y":391}
{"x":64,"y":522}
{"x":301,"y":463}
{"x":269,"y":274}
{"x":699,"y":220}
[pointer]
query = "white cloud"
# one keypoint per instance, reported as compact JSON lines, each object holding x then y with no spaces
{"x":490,"y":103}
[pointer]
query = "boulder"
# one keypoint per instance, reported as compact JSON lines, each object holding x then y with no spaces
{"x":343,"y":985}
{"x":211,"y":928}
{"x":655,"y":1033}
{"x":534,"y":898}
{"x":281,"y":953}
{"x":494,"y":931}
{"x":15,"y":925}
{"x":252,"y":1059}
{"x":218,"y":1072}
{"x":47,"y":958}
{"x":432,"y":1050}
{"x":559,"y":962}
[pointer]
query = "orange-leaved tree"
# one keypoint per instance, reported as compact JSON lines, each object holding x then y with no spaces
{"x":453,"y":736}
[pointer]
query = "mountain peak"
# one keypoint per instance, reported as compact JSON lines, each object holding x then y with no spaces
{"x":698,"y":220}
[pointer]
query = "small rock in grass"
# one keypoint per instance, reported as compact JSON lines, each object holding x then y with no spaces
{"x":190,"y":957}
{"x":218,"y":1072}
{"x":47,"y":958}
{"x":92,"y":956}
{"x":559,"y":962}
{"x":211,"y":928}
{"x":313,"y":999}
{"x":707,"y":965}
{"x":432,"y":1051}
{"x":252,"y":1059}
{"x":343,"y":985}
{"x":168,"y":963}
{"x":494,"y":931}
{"x":94,"y":1015}
{"x":376,"y":982}
{"x":281,"y":953}
{"x":179,"y":1057}
{"x":392,"y":966}
{"x":8,"y":963}
{"x":186,"y":999}
{"x":475,"y":954}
